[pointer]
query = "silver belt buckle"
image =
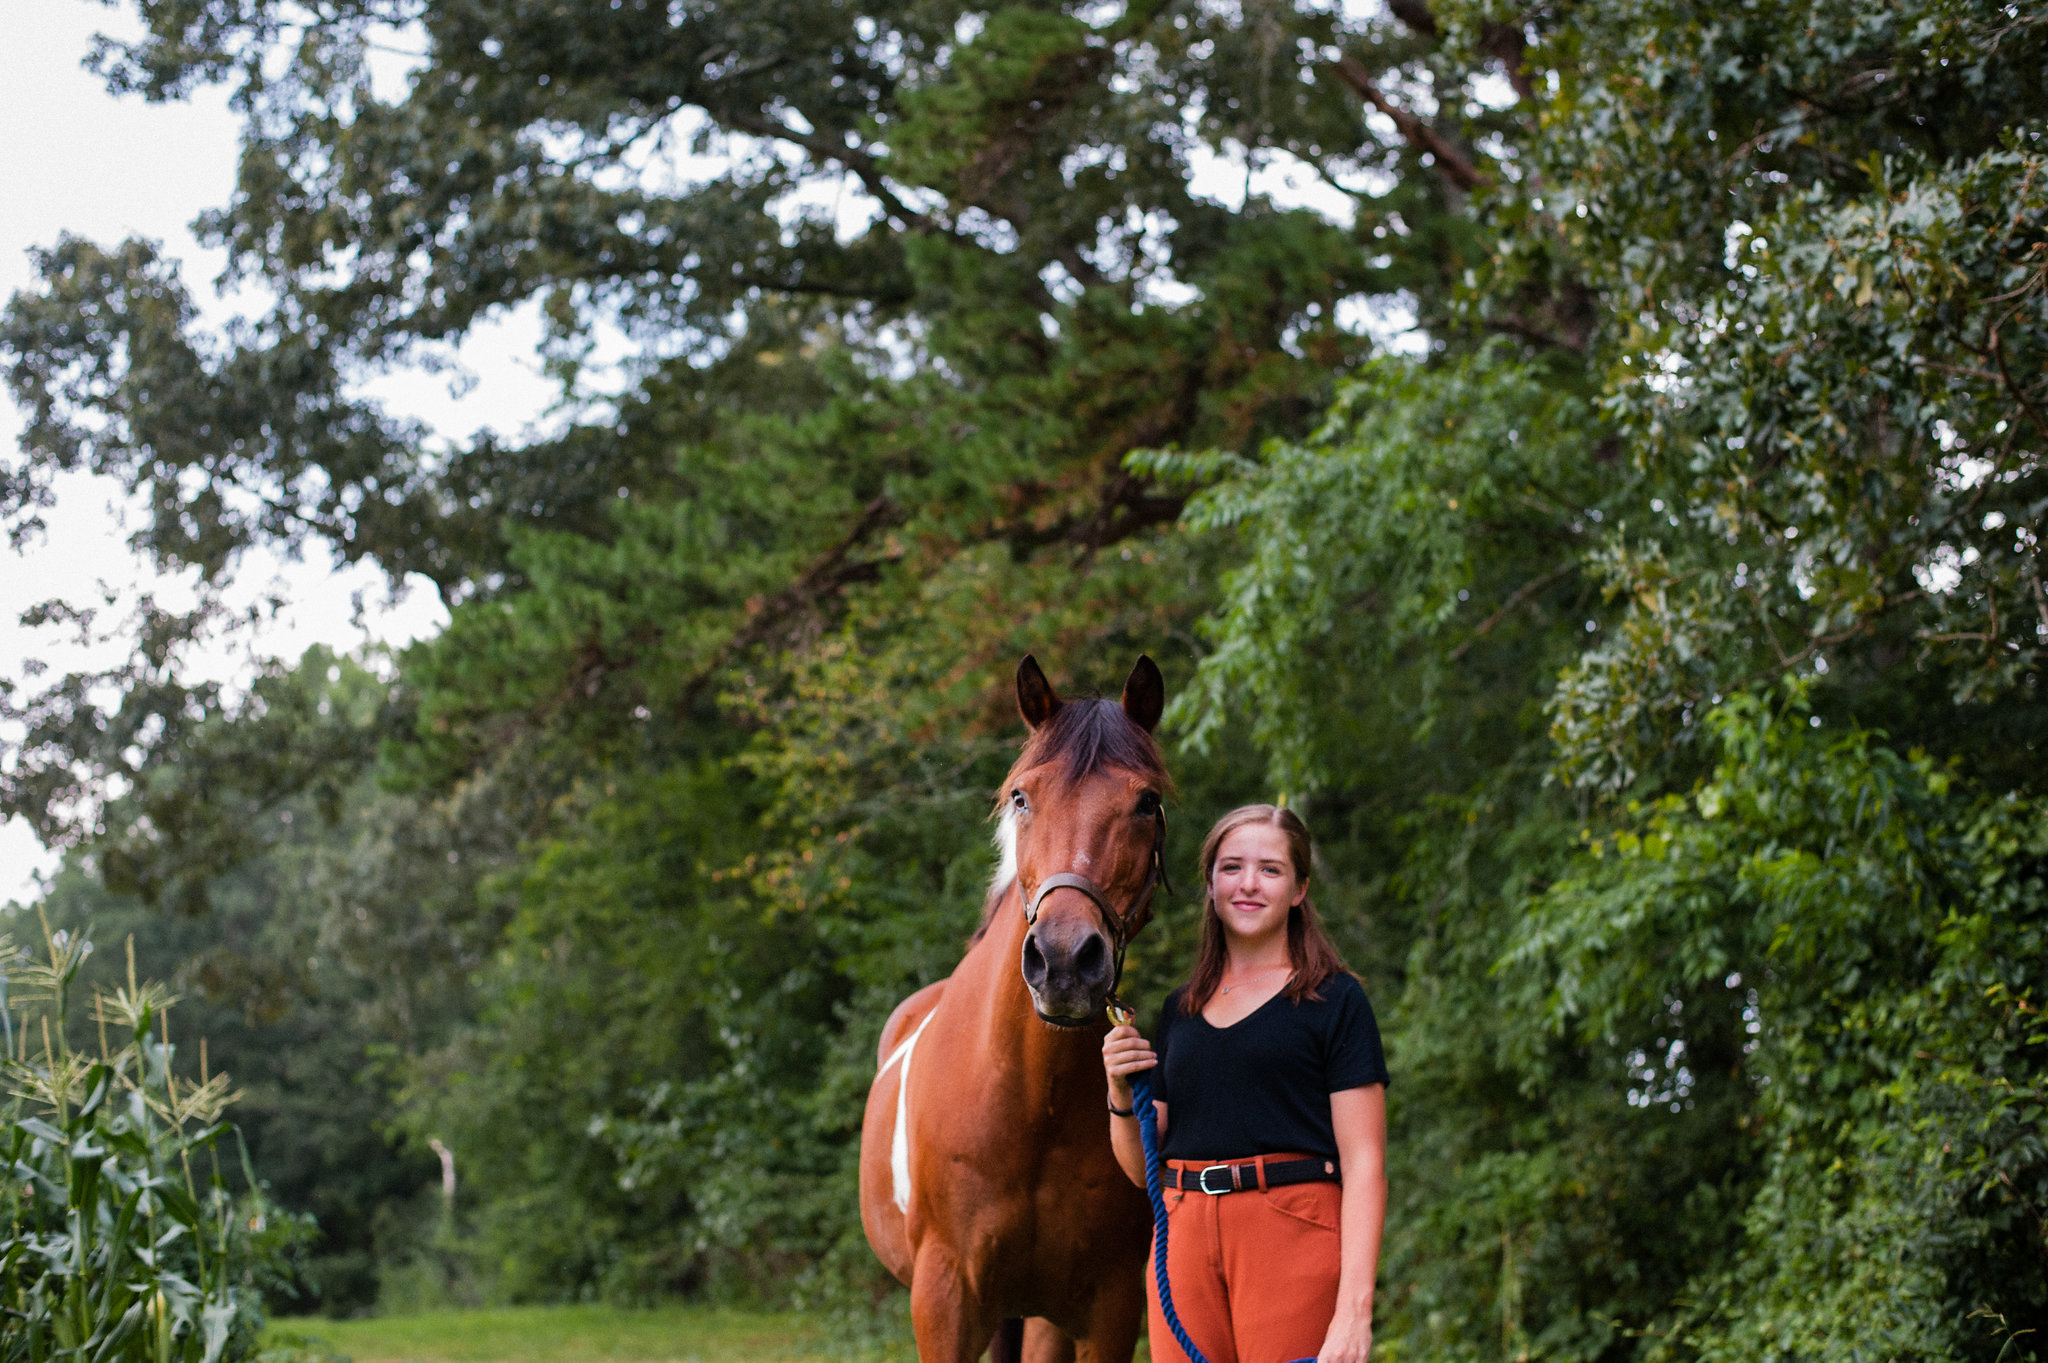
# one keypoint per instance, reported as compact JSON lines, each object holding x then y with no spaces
{"x":1229,"y":1183}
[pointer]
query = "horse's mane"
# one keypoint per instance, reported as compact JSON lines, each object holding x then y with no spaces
{"x":1082,"y":738}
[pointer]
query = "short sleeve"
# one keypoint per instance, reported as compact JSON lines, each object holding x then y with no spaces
{"x":1352,"y":1056}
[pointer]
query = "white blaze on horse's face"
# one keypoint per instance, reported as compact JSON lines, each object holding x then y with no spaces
{"x":1006,"y":850}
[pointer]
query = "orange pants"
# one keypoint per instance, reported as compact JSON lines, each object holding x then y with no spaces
{"x":1254,"y":1274}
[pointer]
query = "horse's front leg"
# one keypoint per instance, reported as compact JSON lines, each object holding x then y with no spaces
{"x":1045,"y":1342}
{"x":1114,"y":1319}
{"x":952,"y":1324}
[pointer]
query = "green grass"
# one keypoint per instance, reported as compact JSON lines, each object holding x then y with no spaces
{"x":564,"y":1334}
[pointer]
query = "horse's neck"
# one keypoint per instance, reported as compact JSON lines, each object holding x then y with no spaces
{"x":1041,"y":1059}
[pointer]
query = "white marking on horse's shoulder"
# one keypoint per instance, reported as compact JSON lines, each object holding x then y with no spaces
{"x":902,"y":1047}
{"x":899,"y":1140}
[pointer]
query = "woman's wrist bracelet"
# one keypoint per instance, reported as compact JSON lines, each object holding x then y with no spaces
{"x":1116,"y":1111}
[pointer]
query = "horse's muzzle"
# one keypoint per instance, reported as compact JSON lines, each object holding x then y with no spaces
{"x":1069,"y":970}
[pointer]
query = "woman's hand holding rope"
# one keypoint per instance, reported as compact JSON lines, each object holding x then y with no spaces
{"x":1125,"y":1053}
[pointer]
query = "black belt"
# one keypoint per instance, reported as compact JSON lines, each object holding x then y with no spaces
{"x":1218,"y":1179}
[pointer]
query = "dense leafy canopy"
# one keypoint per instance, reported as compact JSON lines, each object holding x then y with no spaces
{"x":1737,"y":957}
{"x":1658,"y":656}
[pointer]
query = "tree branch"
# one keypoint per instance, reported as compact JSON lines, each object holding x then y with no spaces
{"x":1512,"y":325}
{"x":1996,"y":345}
{"x":1418,"y":133}
{"x":826,"y":574}
{"x":1515,"y":598}
{"x":859,"y":162}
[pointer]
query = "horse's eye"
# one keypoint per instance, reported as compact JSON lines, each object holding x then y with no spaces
{"x":1148,"y":804}
{"x":1019,"y":803}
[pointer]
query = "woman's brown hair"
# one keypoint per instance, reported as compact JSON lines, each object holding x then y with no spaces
{"x":1309,"y":949}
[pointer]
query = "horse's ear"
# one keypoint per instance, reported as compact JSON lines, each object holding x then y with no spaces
{"x":1144,"y":694}
{"x":1036,"y":700}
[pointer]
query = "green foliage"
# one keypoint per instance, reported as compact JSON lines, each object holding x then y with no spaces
{"x":1441,"y":512}
{"x":1031,"y":247}
{"x":1724,"y":992}
{"x":202,"y":771}
{"x":1880,"y":927}
{"x":337,"y":946}
{"x":1824,"y":348}
{"x":1657,"y":654}
{"x":116,"y":1247}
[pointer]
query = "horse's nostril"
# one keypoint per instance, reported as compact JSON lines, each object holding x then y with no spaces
{"x":1092,"y":959}
{"x":1034,"y":961}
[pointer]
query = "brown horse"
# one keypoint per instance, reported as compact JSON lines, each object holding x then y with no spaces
{"x":986,"y":1179}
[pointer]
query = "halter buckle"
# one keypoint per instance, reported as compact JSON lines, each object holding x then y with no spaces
{"x":1229,"y":1180}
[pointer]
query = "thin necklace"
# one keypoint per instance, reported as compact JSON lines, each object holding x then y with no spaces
{"x":1262,"y":970}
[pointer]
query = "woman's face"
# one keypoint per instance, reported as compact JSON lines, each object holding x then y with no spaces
{"x":1253,"y":882}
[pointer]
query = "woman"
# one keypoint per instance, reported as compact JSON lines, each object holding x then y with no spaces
{"x":1271,"y":1091}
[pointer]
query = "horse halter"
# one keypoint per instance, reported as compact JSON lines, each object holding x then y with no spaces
{"x":1120,"y":927}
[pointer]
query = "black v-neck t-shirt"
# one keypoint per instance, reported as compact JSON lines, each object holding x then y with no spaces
{"x":1262,"y":1085}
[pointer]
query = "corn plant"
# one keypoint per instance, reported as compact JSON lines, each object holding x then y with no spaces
{"x":123,"y":1242}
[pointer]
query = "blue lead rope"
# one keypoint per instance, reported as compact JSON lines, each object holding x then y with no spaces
{"x":1148,"y":1132}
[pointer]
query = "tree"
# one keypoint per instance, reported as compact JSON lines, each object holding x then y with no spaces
{"x":837,"y":438}
{"x":1722,"y":885}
